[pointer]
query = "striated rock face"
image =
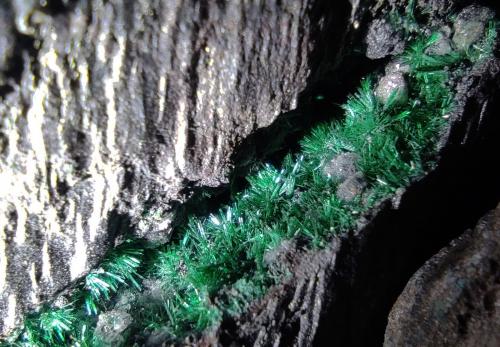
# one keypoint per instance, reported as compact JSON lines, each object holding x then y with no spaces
{"x":455,"y":296}
{"x":111,"y":107}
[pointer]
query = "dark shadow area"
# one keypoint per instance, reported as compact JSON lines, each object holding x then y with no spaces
{"x":119,"y":226}
{"x":375,"y":267}
{"x":337,"y":67}
{"x":16,"y":63}
{"x":55,"y":7}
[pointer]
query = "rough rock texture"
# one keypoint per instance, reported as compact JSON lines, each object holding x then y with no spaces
{"x":392,"y":87}
{"x":341,"y":166}
{"x":343,"y":294}
{"x":437,"y":7}
{"x":110,"y":327}
{"x":441,"y":47}
{"x":470,"y":24}
{"x":116,"y":109}
{"x":119,"y":106}
{"x":455,"y":296}
{"x":352,"y":187}
{"x":397,"y":66}
{"x":383,"y":40}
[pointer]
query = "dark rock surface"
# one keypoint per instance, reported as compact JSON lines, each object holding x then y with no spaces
{"x":116,"y":109}
{"x":383,"y":40}
{"x":455,"y":296}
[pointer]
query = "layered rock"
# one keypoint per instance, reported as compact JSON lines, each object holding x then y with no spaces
{"x":110,"y":109}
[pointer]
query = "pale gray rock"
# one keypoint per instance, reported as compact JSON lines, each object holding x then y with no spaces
{"x":392,"y":85}
{"x":470,"y":25}
{"x":442,"y":46}
{"x":436,"y":8}
{"x":125,"y":300}
{"x":397,"y":66}
{"x":110,"y":327}
{"x":342,"y":166}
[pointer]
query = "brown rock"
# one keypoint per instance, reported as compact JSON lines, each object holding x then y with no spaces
{"x":454,"y":299}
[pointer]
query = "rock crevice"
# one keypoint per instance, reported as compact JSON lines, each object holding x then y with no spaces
{"x":121,"y":107}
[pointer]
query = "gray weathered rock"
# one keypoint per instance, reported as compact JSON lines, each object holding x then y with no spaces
{"x":23,"y":9}
{"x":282,"y":259}
{"x":124,"y":300}
{"x":110,"y":327}
{"x":122,"y":105}
{"x":397,"y":66}
{"x":352,"y":187}
{"x":157,"y":337}
{"x":392,"y":87}
{"x":436,"y":7}
{"x":383,"y":40}
{"x":470,"y":25}
{"x":441,"y":47}
{"x":455,"y":296}
{"x":341,"y":166}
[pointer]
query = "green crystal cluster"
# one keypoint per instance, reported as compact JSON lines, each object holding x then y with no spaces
{"x":217,"y":265}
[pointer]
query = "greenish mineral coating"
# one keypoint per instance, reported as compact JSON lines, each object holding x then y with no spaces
{"x":218,"y":264}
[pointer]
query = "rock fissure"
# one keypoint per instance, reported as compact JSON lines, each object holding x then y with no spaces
{"x":145,"y":174}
